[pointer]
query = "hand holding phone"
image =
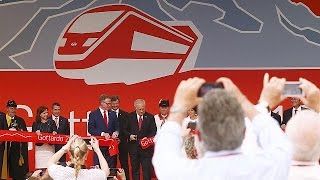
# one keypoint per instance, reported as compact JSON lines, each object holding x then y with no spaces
{"x":206,"y":87}
{"x":87,"y":140}
{"x":113,"y":171}
{"x":292,"y":89}
{"x":192,"y":125}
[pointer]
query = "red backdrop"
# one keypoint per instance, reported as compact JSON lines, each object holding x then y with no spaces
{"x":43,"y":88}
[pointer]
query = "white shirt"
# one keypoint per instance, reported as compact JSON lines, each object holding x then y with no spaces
{"x":56,"y":120}
{"x":249,"y":143}
{"x":138,"y":117}
{"x":102,"y":112}
{"x":58,"y":172}
{"x":272,"y":163}
{"x":294,"y":110}
{"x":159,"y":121}
{"x":308,"y":171}
{"x":187,"y":120}
{"x":117,"y":112}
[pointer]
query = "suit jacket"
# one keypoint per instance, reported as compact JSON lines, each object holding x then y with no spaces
{"x":287,"y":114}
{"x":14,"y":150}
{"x":277,"y":117}
{"x":123,"y":123}
{"x":64,"y":127}
{"x":148,"y":129}
{"x":96,"y":124}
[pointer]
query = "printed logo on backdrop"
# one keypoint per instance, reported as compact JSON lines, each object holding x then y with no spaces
{"x":102,"y":41}
{"x":97,"y":40}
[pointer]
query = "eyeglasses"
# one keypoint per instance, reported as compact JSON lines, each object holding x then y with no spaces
{"x":108,"y":103}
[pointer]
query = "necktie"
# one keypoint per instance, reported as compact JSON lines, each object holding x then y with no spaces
{"x":140,"y":122}
{"x":163,"y":121}
{"x":57,"y":122}
{"x":105,"y":118}
{"x":295,"y":111}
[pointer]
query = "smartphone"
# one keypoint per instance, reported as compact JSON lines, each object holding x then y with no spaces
{"x":87,"y":140}
{"x":292,"y":89}
{"x":206,"y":87}
{"x":113,"y":172}
{"x":43,"y":171}
{"x":192,"y":125}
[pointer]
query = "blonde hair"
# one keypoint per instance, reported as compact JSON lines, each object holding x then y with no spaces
{"x":78,"y":150}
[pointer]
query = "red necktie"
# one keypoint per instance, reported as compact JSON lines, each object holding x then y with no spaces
{"x":140,"y":122}
{"x":105,"y":118}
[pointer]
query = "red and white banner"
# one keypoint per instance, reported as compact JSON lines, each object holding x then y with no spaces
{"x":22,"y":136}
{"x":146,"y":142}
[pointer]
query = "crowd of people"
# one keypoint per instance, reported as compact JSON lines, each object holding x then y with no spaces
{"x":107,"y":120}
{"x":221,"y":135}
{"x":222,"y":131}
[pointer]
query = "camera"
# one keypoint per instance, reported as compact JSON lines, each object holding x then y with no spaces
{"x":192,"y":125}
{"x":113,"y":172}
{"x":14,"y":124}
{"x":42,"y":172}
{"x":87,"y":140}
{"x":292,"y":89}
{"x":135,"y":137}
{"x":206,"y":87}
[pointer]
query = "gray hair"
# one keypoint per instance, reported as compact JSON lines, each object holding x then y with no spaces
{"x":303,"y":130}
{"x":221,"y":121}
{"x":139,"y":101}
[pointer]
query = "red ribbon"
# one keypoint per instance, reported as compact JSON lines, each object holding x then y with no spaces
{"x":49,"y":138}
{"x":147,"y":142}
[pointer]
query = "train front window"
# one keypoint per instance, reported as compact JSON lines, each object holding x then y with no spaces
{"x":94,"y":22}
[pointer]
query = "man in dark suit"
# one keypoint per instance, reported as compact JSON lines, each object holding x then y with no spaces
{"x":13,"y":155}
{"x":141,"y":124}
{"x":123,"y":123}
{"x":103,"y":122}
{"x":296,"y":108}
{"x":62,"y":126}
{"x":277,"y":117}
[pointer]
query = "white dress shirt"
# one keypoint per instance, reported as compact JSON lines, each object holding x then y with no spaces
{"x":138,"y":117}
{"x":159,"y":121}
{"x":304,"y":171}
{"x":117,"y":112}
{"x":56,"y":120}
{"x":294,"y":110}
{"x":102,"y":113}
{"x":187,"y":120}
{"x":271,"y":163}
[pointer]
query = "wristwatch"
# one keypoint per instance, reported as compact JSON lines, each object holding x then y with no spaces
{"x":264,"y":104}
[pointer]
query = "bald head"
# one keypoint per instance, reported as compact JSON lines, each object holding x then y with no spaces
{"x":303,"y":131}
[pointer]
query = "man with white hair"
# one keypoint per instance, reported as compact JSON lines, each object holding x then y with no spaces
{"x":304,"y":132}
{"x":141,"y":126}
{"x":221,"y":132}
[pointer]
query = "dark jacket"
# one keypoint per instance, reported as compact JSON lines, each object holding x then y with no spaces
{"x":14,"y":149}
